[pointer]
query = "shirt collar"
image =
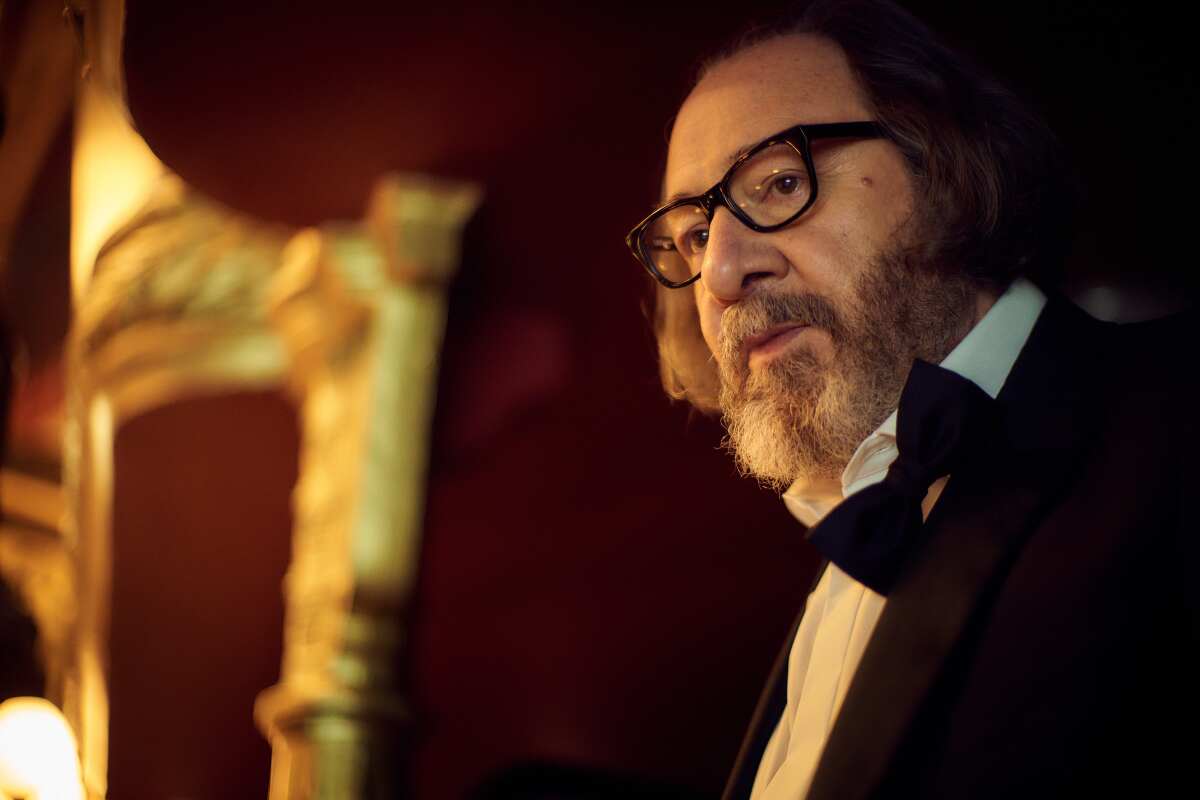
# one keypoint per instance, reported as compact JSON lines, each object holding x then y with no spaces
{"x":985,"y":356}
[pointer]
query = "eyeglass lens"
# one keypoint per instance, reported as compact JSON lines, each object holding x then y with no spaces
{"x":770,"y":187}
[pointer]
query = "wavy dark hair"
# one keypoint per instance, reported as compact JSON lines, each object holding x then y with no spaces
{"x":991,"y":179}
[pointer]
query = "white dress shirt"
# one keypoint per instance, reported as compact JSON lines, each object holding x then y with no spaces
{"x":841,"y":612}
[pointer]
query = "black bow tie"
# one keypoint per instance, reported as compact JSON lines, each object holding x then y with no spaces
{"x":873,"y":533}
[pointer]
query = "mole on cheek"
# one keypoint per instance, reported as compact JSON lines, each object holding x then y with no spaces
{"x":868,"y":181}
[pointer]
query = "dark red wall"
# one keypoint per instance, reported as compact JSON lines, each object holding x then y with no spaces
{"x":597,"y":587}
{"x":202,"y":536}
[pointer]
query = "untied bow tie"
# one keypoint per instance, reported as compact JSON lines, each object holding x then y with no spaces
{"x":872,"y":534}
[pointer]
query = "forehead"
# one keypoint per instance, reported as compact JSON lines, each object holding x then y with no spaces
{"x":758,"y":92}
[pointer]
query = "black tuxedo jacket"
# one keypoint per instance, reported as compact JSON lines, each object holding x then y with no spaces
{"x":1043,"y":642}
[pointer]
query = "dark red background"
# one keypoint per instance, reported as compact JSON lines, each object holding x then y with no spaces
{"x":597,"y":587}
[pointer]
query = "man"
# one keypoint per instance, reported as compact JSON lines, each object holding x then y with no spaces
{"x":1010,"y":609}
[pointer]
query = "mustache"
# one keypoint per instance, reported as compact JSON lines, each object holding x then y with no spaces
{"x":756,"y":313}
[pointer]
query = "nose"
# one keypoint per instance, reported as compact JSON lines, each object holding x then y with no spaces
{"x":737,"y":258}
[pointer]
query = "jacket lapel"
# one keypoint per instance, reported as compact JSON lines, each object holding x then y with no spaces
{"x":977,"y":528}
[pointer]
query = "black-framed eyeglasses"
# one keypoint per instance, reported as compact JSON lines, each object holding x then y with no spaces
{"x":766,"y":188}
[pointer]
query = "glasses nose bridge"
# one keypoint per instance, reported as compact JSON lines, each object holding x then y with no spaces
{"x":710,"y":201}
{"x":717,"y":198}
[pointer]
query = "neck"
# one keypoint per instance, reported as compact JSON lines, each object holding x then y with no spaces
{"x":984,"y":300}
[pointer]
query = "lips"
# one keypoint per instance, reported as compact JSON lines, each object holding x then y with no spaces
{"x":767,"y":343}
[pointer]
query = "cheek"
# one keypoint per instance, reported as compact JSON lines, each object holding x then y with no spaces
{"x":830,"y":252}
{"x":888,"y":200}
{"x":823,"y":257}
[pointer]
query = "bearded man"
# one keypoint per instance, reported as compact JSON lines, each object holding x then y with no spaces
{"x":1009,"y":608}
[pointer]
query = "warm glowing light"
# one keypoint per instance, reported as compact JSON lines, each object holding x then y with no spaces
{"x":38,"y":757}
{"x":112,"y":174}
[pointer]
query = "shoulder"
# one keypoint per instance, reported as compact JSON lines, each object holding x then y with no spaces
{"x":1139,"y":377}
{"x":1158,"y":356}
{"x":1145,"y":390}
{"x":1148,"y":355}
{"x":1166,"y":334}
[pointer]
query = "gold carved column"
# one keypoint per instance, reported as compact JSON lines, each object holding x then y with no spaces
{"x":362,"y":310}
{"x":177,"y":296}
{"x":176,"y":306}
{"x":189,"y":298}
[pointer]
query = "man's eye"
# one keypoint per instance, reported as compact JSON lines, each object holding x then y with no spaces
{"x":781,"y":184}
{"x":786,"y":184}
{"x":694,"y":241}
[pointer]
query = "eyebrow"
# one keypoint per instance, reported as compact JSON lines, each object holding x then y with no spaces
{"x":732,"y":157}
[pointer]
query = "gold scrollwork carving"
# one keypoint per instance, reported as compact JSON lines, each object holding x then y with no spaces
{"x":189,"y":297}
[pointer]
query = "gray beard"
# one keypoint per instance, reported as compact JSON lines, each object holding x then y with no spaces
{"x":799,"y":418}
